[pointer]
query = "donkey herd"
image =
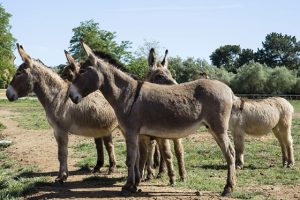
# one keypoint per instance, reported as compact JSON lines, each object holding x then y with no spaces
{"x":93,"y":97}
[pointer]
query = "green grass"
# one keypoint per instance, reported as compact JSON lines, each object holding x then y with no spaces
{"x":2,"y":126}
{"x":30,"y":113}
{"x":206,"y":166}
{"x":296,"y":104}
{"x":12,"y":184}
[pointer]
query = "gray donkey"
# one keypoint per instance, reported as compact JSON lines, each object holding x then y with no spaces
{"x":166,"y":111}
{"x":93,"y":117}
{"x":159,"y":73}
{"x":257,"y":117}
{"x":72,"y":70}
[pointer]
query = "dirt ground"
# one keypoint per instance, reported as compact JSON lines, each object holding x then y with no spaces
{"x":39,"y":148}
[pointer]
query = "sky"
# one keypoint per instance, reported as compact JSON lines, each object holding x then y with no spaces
{"x":187,"y":28}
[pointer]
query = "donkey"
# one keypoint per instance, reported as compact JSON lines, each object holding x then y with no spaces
{"x":166,"y":111}
{"x":257,"y":118}
{"x":69,"y":73}
{"x":93,"y":117}
{"x":159,"y":73}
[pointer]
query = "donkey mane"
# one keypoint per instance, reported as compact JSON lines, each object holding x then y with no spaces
{"x":112,"y":61}
{"x":49,"y":75}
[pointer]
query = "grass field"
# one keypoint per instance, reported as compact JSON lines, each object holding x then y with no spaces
{"x":205,"y":165}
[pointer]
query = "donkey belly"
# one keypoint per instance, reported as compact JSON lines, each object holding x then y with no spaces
{"x":89,"y":132}
{"x":169,"y":132}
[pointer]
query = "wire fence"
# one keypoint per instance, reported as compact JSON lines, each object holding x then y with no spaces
{"x":249,"y":96}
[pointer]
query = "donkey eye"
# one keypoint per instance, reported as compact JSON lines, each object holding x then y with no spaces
{"x":18,"y":73}
{"x":81,"y":71}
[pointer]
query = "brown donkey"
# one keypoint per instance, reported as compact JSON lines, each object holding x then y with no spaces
{"x":159,"y":73}
{"x":166,"y":111}
{"x":257,"y":117}
{"x":69,"y":73}
{"x":93,"y":117}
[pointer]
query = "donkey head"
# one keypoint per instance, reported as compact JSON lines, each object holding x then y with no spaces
{"x":88,"y":78}
{"x":71,"y":70}
{"x":23,"y":81}
{"x":159,"y":72}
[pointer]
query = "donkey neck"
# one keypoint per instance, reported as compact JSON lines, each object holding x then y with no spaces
{"x":49,"y":88}
{"x":120,"y":90}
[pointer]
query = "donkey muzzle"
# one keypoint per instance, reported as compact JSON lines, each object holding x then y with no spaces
{"x":74,"y":95}
{"x":11,"y":94}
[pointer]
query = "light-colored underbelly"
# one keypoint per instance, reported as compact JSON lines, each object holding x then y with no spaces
{"x":169,"y":133}
{"x":89,"y":132}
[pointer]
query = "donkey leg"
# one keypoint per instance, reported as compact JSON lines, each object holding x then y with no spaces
{"x":162,"y":163}
{"x":108,"y":142}
{"x":156,"y":156}
{"x":100,"y":154}
{"x":164,"y":145}
{"x":143,"y":148}
{"x":224,"y":143}
{"x":179,"y":152}
{"x":62,"y":143}
{"x":239,"y":145}
{"x":278,"y":134}
{"x":150,"y":161}
{"x":283,"y":134}
{"x":131,"y":159}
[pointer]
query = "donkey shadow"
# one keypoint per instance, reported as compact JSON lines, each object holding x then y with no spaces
{"x":90,"y":187}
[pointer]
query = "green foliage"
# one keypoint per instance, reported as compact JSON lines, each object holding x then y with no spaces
{"x":98,"y":39}
{"x":6,"y":48}
{"x":280,"y":50}
{"x":280,"y":81}
{"x":226,"y":56}
{"x":138,"y":66}
{"x":250,"y":78}
{"x":185,"y":70}
{"x":12,"y":184}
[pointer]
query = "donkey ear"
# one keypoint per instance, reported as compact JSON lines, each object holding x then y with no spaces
{"x":165,"y":62}
{"x":70,"y":59}
{"x":25,"y":57}
{"x":152,"y":59}
{"x":89,"y":52}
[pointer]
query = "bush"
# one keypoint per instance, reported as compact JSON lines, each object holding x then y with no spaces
{"x":250,"y":78}
{"x":280,"y":81}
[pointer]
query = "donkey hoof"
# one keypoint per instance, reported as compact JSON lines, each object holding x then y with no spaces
{"x":110,"y":171}
{"x":182,"y":179}
{"x":95,"y":170}
{"x":60,"y":180}
{"x":227,"y":192}
{"x":239,"y":167}
{"x":125,"y":192}
{"x":128,"y":190}
{"x":290,"y":165}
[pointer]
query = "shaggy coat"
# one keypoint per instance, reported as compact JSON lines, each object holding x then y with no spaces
{"x":257,"y":118}
{"x":166,"y":111}
{"x":93,"y":117}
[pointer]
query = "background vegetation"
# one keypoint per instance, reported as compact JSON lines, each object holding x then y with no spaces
{"x":272,"y":69}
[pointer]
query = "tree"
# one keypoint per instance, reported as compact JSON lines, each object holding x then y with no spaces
{"x":280,"y":81}
{"x":184,"y":70}
{"x":6,"y":49}
{"x":280,"y":50}
{"x":226,"y":56}
{"x":98,"y":39}
{"x":245,"y":57}
{"x":250,"y":78}
{"x":138,"y":66}
{"x":143,"y":50}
